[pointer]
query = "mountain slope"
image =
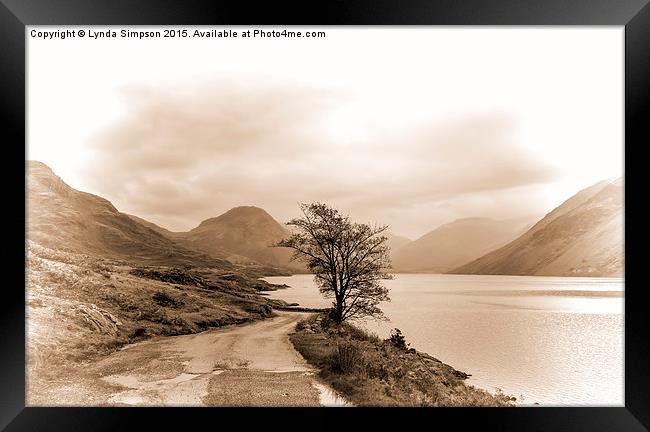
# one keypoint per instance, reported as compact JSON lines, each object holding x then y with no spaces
{"x":160,"y":230}
{"x":396,"y":242}
{"x":64,"y":218}
{"x":581,"y":237}
{"x":455,"y":243}
{"x":243,"y":235}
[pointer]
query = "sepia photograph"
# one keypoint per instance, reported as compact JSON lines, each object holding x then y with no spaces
{"x":324,"y":216}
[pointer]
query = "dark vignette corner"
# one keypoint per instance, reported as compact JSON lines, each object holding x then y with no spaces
{"x":637,"y":69}
{"x":637,"y":344}
{"x":12,"y":318}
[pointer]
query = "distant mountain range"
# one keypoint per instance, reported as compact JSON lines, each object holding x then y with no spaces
{"x":62,"y":217}
{"x":582,"y":237}
{"x":456,"y":243}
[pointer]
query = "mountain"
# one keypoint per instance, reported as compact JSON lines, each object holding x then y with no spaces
{"x":396,"y":242}
{"x":243,"y":235}
{"x":63,"y":218}
{"x":160,"y":230}
{"x":456,"y":243}
{"x":582,"y":237}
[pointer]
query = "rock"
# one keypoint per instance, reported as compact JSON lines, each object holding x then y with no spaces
{"x":98,"y":319}
{"x":266,"y":310}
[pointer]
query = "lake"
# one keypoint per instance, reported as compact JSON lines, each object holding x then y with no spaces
{"x":549,"y":340}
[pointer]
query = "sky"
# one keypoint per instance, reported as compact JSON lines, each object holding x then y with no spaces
{"x":408,"y":126}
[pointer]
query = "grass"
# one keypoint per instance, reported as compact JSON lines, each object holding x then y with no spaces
{"x":80,"y":308}
{"x":369,"y":371}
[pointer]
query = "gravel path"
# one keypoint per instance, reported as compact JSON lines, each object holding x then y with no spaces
{"x":248,"y":365}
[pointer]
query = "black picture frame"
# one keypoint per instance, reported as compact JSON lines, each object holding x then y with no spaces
{"x":16,"y":14}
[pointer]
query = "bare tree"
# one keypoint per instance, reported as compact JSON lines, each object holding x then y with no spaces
{"x":348,"y":259}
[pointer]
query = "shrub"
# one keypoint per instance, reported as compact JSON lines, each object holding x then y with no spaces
{"x":398,"y":340}
{"x":164,"y":299}
{"x":359,"y":334}
{"x":346,"y":358}
{"x":174,"y":276}
{"x":139,"y":333}
{"x":377,"y":370}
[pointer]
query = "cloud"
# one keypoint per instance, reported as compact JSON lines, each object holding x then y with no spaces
{"x":181,"y":155}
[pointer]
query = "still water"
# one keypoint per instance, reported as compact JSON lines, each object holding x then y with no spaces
{"x":547,"y":340}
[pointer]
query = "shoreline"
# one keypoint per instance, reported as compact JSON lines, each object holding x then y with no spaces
{"x":581,"y":310}
{"x":368,"y":371}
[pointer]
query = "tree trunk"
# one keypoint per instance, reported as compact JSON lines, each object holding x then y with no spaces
{"x":338,"y":310}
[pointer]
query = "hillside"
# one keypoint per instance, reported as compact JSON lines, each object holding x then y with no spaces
{"x":455,"y":243}
{"x":581,"y":237}
{"x":97,"y":280}
{"x":64,"y":218}
{"x":396,"y":242}
{"x":82,"y":307}
{"x":160,"y":230}
{"x":243,"y":235}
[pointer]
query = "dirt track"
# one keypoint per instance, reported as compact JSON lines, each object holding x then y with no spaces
{"x":252,"y":365}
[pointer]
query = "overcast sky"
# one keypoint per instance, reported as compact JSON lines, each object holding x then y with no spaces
{"x":412,"y":127}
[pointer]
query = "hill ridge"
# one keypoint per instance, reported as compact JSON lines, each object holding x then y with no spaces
{"x":62,"y":217}
{"x":583,"y":236}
